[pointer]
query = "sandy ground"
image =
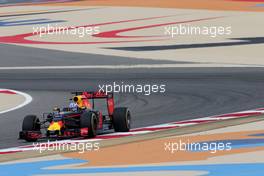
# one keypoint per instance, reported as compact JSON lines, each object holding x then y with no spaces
{"x":243,"y":46}
{"x":8,"y":101}
{"x":152,"y":153}
{"x":187,"y":4}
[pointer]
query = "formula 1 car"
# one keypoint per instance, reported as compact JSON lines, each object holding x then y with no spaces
{"x":80,"y":119}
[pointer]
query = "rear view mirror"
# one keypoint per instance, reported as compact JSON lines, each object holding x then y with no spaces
{"x":56,"y":109}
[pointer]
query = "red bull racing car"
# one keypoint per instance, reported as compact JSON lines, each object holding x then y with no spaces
{"x":80,"y":119}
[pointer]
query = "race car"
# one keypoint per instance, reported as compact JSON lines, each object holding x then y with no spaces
{"x":80,"y":119}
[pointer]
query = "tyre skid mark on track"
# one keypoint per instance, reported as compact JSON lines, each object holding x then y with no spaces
{"x":137,"y":131}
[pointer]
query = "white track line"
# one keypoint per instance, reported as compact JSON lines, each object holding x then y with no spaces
{"x":27,"y":97}
{"x":126,"y":66}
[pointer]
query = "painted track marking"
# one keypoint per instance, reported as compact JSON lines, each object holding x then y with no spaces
{"x":27,"y":97}
{"x":126,"y":66}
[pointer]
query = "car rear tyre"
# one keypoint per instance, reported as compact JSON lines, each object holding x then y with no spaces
{"x":88,"y":120}
{"x":121,"y":119}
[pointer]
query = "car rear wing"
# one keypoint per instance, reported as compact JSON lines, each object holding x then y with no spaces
{"x":99,"y":95}
{"x":94,"y":95}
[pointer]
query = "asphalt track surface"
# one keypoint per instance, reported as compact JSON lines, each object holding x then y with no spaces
{"x":190,"y":92}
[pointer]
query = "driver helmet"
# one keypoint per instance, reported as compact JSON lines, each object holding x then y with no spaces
{"x":73,"y":106}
